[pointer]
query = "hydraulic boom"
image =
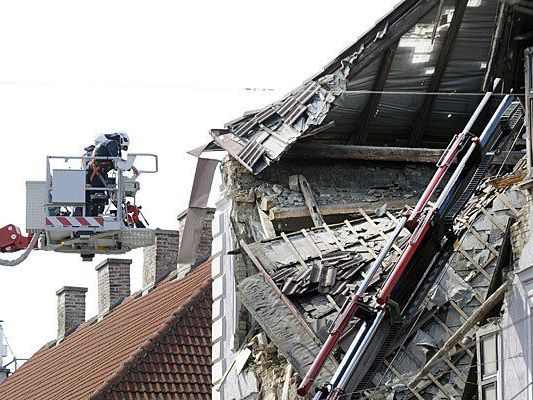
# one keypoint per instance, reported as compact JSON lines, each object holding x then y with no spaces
{"x":411,"y":221}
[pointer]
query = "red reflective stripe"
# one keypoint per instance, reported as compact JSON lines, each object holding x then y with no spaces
{"x":83,"y":221}
{"x":75,"y":221}
{"x":64,"y":221}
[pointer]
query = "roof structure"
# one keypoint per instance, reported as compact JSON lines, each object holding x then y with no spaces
{"x":152,"y":346}
{"x":380,"y":91}
{"x":315,"y":270}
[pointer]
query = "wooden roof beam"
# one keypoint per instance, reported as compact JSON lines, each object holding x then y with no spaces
{"x":379,"y":153}
{"x":394,"y":29}
{"x":360,"y":135}
{"x":440,"y":67}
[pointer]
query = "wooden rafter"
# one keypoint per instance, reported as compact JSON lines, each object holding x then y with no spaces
{"x":361,"y":133}
{"x":486,"y":307}
{"x":440,"y":67}
{"x":394,"y":29}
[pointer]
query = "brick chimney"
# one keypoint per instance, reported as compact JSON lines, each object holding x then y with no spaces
{"x":70,"y":309}
{"x":205,"y":237}
{"x":161,"y":258}
{"x":113,"y":283}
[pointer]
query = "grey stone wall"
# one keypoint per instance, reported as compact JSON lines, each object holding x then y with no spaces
{"x":70,"y":309}
{"x":161,"y":258}
{"x":113,"y":283}
{"x":341,"y":184}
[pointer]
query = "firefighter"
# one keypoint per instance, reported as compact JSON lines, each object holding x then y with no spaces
{"x":109,"y":145}
{"x":133,"y":215}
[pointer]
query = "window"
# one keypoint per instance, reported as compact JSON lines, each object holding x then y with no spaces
{"x":530,"y":68}
{"x":487,"y":356}
{"x":489,"y":392}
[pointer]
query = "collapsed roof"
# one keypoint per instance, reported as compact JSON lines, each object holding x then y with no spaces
{"x":380,"y":90}
{"x":307,"y":275}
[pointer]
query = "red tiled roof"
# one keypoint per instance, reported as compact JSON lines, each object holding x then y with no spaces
{"x":157,"y":346}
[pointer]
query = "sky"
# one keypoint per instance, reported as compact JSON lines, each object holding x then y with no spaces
{"x":165,"y":72}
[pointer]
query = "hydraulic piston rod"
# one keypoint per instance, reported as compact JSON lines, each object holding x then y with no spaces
{"x":423,"y":227}
{"x":348,"y":310}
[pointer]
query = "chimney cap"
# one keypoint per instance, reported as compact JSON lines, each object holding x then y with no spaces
{"x":71,"y":289}
{"x":167,"y":231}
{"x":210,"y":210}
{"x":113,"y":261}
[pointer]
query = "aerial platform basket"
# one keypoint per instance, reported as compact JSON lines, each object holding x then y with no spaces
{"x":58,"y":208}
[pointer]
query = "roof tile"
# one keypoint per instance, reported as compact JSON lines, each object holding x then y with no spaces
{"x":149,"y":347}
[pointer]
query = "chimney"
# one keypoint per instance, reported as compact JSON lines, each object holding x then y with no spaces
{"x":205,"y":237}
{"x":70,"y":309}
{"x":161,"y":258}
{"x":113,"y":283}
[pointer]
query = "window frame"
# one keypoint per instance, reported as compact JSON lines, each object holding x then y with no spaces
{"x":489,"y":330}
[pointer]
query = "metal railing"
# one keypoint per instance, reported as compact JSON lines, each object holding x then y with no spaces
{"x":113,"y":187}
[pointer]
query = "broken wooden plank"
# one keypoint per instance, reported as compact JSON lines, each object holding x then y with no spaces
{"x":311,"y":242}
{"x":310,"y":201}
{"x":335,"y":239}
{"x":296,"y":253}
{"x":277,"y":213}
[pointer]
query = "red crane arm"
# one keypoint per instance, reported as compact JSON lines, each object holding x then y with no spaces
{"x":11,"y":239}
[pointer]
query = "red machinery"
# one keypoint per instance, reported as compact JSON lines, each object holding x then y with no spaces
{"x":412,"y":221}
{"x":11,"y":239}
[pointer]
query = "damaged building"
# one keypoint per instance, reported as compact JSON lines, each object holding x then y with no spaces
{"x":384,"y":203}
{"x":315,"y":184}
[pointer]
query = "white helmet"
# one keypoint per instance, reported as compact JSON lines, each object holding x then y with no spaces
{"x":101,"y":138}
{"x":124,"y":140}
